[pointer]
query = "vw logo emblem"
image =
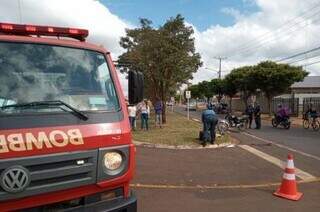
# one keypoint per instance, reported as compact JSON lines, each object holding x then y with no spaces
{"x":15,"y":179}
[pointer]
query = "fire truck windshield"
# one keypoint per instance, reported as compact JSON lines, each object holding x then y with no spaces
{"x":37,"y":73}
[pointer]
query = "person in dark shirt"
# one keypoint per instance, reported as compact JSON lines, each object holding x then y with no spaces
{"x":257,"y":116}
{"x":249,"y":112}
{"x":158,"y":108}
{"x":209,"y":120}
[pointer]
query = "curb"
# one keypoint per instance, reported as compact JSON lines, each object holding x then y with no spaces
{"x":187,"y":147}
{"x":215,"y":186}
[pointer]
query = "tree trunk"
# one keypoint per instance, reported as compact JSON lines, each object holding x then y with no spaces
{"x":164,"y":114}
{"x":245,"y":98}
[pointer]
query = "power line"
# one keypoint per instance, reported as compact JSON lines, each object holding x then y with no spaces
{"x":309,"y":64}
{"x":283,"y":25}
{"x":306,"y":58}
{"x":266,"y":36}
{"x":299,"y":54}
{"x":288,"y":35}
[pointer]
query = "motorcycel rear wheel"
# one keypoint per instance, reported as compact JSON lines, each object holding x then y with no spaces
{"x":274,"y":122}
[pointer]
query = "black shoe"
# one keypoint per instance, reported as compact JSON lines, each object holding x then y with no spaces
{"x":204,"y":144}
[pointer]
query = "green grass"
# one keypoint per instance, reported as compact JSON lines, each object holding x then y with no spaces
{"x":178,"y":131}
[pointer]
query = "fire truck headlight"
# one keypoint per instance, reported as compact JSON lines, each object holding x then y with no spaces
{"x":112,"y":161}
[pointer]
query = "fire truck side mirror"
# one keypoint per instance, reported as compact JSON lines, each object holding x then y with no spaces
{"x":136,"y":86}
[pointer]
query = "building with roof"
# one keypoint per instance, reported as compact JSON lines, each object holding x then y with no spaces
{"x":310,"y":85}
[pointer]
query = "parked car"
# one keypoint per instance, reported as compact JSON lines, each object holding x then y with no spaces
{"x":192,"y":105}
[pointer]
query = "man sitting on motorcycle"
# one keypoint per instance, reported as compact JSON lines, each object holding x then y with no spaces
{"x":282,"y":113}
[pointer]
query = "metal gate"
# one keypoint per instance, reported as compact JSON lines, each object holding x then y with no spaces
{"x":291,"y":103}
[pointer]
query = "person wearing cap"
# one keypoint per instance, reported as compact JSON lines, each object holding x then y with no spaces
{"x":209,"y":120}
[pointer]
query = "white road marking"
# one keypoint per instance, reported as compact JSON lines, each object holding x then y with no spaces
{"x":301,"y":174}
{"x":282,"y":146}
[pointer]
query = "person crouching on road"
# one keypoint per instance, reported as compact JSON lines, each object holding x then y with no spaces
{"x":209,"y":120}
{"x":257,"y":116}
{"x":145,"y":112}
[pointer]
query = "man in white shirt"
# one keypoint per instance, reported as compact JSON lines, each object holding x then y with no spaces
{"x":132,"y":109}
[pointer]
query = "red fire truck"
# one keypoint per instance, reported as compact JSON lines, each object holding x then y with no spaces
{"x":65,"y":138}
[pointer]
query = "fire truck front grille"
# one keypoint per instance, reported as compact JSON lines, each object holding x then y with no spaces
{"x":53,"y":172}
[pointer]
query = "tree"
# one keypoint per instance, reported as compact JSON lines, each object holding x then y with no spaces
{"x":275,"y":79}
{"x":166,"y":56}
{"x":245,"y":81}
{"x":230,"y":88}
{"x":195,"y":91}
{"x":216,"y":86}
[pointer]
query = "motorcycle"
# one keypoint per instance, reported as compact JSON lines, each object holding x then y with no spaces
{"x":238,"y":122}
{"x":285,"y":122}
{"x":222,"y":126}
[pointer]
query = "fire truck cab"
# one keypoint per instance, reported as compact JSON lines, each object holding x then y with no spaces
{"x":65,"y":138}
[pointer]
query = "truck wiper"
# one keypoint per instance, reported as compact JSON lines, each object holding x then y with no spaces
{"x":55,"y":103}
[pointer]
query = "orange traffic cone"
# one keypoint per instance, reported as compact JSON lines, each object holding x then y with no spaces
{"x":288,"y":188}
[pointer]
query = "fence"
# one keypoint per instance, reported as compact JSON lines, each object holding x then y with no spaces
{"x":314,"y":101}
{"x":291,"y":103}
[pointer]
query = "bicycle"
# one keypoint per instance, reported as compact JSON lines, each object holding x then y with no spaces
{"x":311,"y":121}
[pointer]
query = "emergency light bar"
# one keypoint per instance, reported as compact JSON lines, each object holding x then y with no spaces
{"x":20,"y":29}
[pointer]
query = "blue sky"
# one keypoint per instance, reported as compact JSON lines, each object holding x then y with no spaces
{"x":201,"y":13}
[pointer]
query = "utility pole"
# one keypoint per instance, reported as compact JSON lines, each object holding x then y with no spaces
{"x":220,"y":60}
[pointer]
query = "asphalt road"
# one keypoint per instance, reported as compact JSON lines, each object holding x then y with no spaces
{"x":227,"y":179}
{"x":297,"y":138}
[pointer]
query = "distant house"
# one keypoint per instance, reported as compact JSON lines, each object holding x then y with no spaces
{"x":308,"y":88}
{"x":310,"y":85}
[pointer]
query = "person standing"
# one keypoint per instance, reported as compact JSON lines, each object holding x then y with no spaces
{"x":209,"y":120}
{"x":257,"y":116}
{"x":158,"y":108}
{"x":249,"y":112}
{"x":145,"y":112}
{"x":132,"y":109}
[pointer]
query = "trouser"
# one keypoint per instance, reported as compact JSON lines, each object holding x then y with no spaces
{"x":258,"y":122}
{"x":132,"y":122}
{"x":250,"y":121}
{"x":209,"y":129}
{"x":159,"y":119}
{"x":144,"y":121}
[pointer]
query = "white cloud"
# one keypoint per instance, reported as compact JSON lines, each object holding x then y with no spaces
{"x":231,"y":42}
{"x":104,"y":27}
{"x":255,"y":37}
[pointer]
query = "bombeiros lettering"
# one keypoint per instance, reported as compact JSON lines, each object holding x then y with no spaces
{"x":32,"y":141}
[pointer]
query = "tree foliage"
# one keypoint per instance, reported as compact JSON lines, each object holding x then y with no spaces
{"x":275,"y":79}
{"x":271,"y":78}
{"x":165,"y":55}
